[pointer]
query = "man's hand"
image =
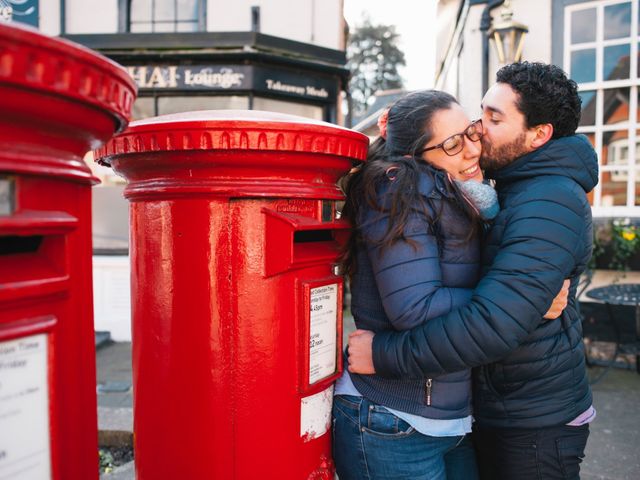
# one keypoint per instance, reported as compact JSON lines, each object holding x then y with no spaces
{"x":559,"y":303}
{"x":360,"y":352}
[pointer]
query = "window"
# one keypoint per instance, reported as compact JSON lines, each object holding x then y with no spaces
{"x":292,"y":108}
{"x":145,"y":107}
{"x":618,"y":154}
{"x":178,"y":104}
{"x":601,"y":55}
{"x":166,"y":16}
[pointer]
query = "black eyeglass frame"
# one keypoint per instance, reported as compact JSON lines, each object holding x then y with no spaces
{"x":464,"y":133}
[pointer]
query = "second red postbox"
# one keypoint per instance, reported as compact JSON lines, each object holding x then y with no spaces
{"x":58,"y":100}
{"x":237,"y":309}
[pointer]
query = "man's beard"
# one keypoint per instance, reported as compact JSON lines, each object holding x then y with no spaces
{"x":498,"y":157}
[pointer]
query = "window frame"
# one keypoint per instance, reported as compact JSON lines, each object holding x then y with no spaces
{"x":124,"y":18}
{"x":600,"y":86}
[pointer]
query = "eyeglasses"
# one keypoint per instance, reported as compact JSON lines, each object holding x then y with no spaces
{"x":454,"y":144}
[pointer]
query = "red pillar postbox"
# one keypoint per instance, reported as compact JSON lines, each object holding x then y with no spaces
{"x":237,"y":312}
{"x":57,"y":101}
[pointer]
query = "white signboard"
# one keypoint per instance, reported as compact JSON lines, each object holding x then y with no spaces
{"x":315,"y":414}
{"x":24,"y":410}
{"x":323,"y":306}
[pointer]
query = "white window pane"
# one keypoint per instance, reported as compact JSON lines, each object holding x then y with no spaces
{"x":164,"y":10}
{"x":143,"y":107}
{"x":164,"y":27}
{"x":187,"y":27}
{"x":141,"y":10}
{"x":292,"y":108}
{"x":615,"y":105}
{"x":588,"y":115}
{"x":583,"y":26}
{"x":583,"y":65}
{"x":187,"y":9}
{"x":617,"y":21}
{"x":615,"y":168}
{"x":140,"y":27}
{"x":614,"y":188}
{"x":614,"y":171}
{"x":186,"y":104}
{"x":616,"y":62}
{"x":637,"y":188}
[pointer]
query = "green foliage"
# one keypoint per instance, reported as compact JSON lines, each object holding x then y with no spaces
{"x":619,"y":238}
{"x":373,"y":57}
{"x":598,"y":250}
{"x":106,"y":461}
{"x":625,"y":241}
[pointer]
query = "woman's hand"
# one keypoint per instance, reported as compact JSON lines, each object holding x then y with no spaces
{"x":559,"y":303}
{"x":361,"y":352}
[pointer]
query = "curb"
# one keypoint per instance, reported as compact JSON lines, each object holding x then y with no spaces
{"x":115,"y":427}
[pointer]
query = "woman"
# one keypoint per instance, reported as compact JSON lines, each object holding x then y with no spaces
{"x":413,"y":255}
{"x":417,"y":206}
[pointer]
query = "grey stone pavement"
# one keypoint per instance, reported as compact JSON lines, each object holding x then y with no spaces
{"x":613,"y":451}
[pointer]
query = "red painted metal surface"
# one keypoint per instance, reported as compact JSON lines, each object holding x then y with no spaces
{"x":59,"y":100}
{"x":233,"y":226}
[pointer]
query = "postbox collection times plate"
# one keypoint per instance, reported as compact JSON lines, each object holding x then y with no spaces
{"x":24,"y":409}
{"x":323,"y":327}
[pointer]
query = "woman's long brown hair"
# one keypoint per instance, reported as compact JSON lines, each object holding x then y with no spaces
{"x":409,"y":129}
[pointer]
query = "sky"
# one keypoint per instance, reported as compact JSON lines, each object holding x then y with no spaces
{"x":414,"y":21}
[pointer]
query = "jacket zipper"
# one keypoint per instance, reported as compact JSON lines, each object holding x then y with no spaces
{"x":428,"y":386}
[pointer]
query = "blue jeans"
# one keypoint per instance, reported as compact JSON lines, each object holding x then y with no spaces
{"x":370,"y":443}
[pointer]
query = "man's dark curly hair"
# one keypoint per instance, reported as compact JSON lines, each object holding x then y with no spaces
{"x":545,"y":95}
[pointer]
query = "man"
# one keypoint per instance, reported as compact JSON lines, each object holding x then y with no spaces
{"x":531,"y":394}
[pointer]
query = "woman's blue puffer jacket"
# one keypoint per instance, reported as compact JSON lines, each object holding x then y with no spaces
{"x":430,"y":273}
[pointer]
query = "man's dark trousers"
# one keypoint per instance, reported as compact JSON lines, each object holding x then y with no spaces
{"x":530,"y":454}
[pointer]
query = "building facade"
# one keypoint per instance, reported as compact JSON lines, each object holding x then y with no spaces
{"x":214,"y":54}
{"x":185,"y":55}
{"x":596,"y":43}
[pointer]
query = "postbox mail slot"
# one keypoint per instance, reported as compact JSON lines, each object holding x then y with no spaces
{"x":296,"y":241}
{"x":12,"y":244}
{"x":33,"y":259}
{"x":37,"y":274}
{"x":307,"y":236}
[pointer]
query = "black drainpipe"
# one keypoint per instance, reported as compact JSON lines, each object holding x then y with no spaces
{"x":63,"y":17}
{"x":485,"y":25}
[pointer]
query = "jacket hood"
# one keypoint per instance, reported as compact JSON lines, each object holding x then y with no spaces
{"x":572,"y":157}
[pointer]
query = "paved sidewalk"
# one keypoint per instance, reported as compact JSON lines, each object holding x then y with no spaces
{"x":613,"y":448}
{"x":612,"y":452}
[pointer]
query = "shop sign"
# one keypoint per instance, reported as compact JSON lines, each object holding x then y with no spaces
{"x":192,"y":77}
{"x":301,"y":90}
{"x":233,"y":77}
{"x":294,"y":84}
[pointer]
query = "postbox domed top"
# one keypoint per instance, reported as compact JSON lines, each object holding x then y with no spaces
{"x":230,"y":115}
{"x":248,"y":130}
{"x":44,"y":65}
